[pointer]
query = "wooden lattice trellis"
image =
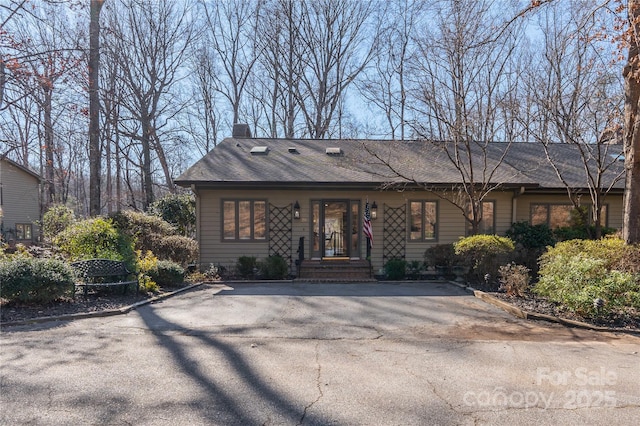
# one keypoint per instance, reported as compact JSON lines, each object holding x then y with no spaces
{"x":280,"y":232}
{"x":394,"y":232}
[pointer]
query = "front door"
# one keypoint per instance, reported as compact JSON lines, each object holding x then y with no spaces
{"x":336,"y":229}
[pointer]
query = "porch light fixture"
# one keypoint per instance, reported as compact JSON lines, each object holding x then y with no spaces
{"x":296,"y":210}
{"x":374,"y":210}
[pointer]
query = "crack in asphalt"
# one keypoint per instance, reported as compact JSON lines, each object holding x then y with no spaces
{"x":318,"y":385}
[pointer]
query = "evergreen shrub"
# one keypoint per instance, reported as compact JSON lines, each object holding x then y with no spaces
{"x":32,"y":280}
{"x":274,"y":268}
{"x":576,"y":273}
{"x":482,"y":255}
{"x":396,"y":269}
{"x":167,"y":274}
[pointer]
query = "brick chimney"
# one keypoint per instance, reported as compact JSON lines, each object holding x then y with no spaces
{"x":241,"y":130}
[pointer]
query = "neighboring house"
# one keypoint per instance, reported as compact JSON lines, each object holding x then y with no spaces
{"x":19,"y":203}
{"x":260,"y":197}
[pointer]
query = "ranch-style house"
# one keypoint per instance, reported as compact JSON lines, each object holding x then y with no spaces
{"x":306,"y":199}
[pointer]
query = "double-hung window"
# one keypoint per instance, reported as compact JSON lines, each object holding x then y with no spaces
{"x":423,"y":220}
{"x":244,"y":220}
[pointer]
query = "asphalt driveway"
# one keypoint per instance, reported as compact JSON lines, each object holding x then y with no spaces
{"x":287,"y":354}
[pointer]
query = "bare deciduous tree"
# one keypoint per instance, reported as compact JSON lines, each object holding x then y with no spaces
{"x":204,"y":123}
{"x":631,"y":225}
{"x":383,"y":83}
{"x":460,"y":97}
{"x":48,"y":55}
{"x":150,"y":41}
{"x":232,"y":27}
{"x":95,"y":153}
{"x":336,"y":45}
{"x":577,"y":101}
{"x":279,"y":66}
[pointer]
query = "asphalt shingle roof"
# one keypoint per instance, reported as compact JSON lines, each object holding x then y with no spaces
{"x":377,"y":162}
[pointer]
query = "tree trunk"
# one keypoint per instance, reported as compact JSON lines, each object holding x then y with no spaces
{"x":165,"y":166}
{"x":631,"y":220}
{"x":109,"y":185}
{"x":50,"y":196}
{"x":3,"y":80}
{"x":118,"y":173}
{"x":95,"y":159}
{"x":147,"y":181}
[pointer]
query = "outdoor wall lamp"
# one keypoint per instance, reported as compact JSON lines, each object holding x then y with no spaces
{"x":374,"y":210}
{"x":296,"y":210}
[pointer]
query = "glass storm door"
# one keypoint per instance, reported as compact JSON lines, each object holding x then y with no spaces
{"x":335,"y":228}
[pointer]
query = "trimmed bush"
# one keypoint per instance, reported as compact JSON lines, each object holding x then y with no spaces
{"x":176,"y":248}
{"x":274,"y":268}
{"x":151,"y":233}
{"x":482,"y":254}
{"x":55,"y":220}
{"x":32,"y":280}
{"x":611,"y":250}
{"x":167,"y":274}
{"x":578,"y":281}
{"x":414,"y":268}
{"x":246,"y":266}
{"x":531,"y":236}
{"x":396,"y":269}
{"x":577,"y":272}
{"x":144,"y":229}
{"x":440,"y":255}
{"x":96,"y":238}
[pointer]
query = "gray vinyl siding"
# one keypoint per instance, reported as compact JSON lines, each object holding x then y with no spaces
{"x":20,"y":199}
{"x":213,"y":249}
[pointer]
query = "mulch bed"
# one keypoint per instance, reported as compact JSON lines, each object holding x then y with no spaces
{"x":533,"y":303}
{"x":12,"y":312}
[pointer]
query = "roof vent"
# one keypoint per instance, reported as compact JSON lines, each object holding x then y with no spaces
{"x":333,"y":151}
{"x":241,"y":130}
{"x":293,"y":150}
{"x":617,"y":156}
{"x":257,"y":150}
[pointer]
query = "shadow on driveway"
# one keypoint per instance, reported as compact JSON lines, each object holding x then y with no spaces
{"x":377,"y":289}
{"x":234,"y":409}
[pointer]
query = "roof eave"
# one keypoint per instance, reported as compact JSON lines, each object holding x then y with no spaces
{"x":331,"y":185}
